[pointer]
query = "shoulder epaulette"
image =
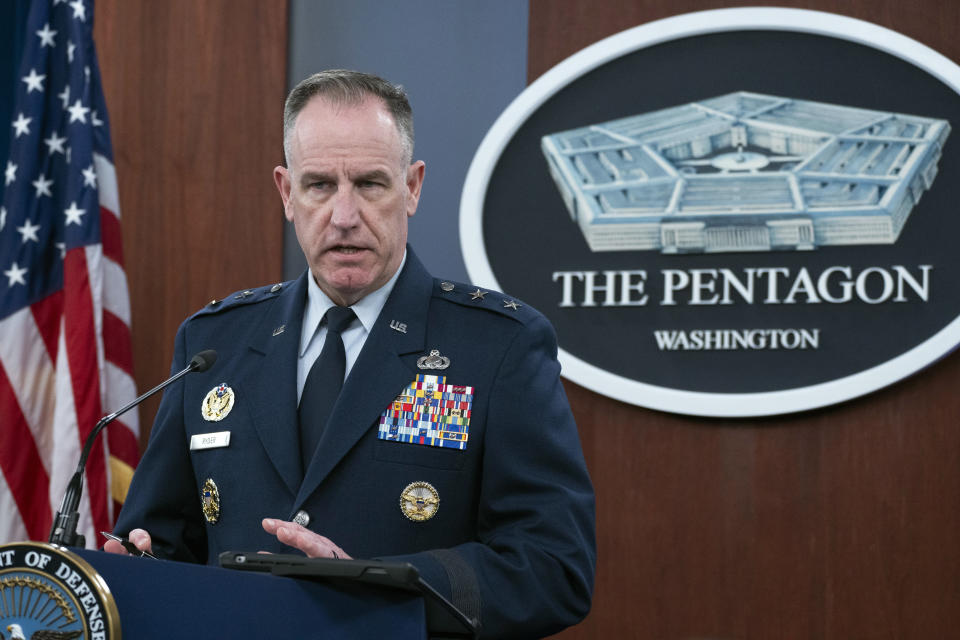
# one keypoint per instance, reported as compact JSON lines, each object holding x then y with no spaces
{"x":242,"y":298}
{"x":469,"y":295}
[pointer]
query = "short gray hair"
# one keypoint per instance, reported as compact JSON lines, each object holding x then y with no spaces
{"x":345,"y":87}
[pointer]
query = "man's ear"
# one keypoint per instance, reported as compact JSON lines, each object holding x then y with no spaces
{"x":415,"y":173}
{"x":281,"y":176}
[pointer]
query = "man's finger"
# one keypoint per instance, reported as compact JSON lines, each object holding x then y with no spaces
{"x":313,"y":545}
{"x":142,"y":540}
{"x":112,"y":546}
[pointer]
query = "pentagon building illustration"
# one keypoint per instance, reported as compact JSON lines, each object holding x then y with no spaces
{"x":745,"y":172}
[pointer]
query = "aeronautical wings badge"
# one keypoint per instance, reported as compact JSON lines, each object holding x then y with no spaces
{"x":217,"y":403}
{"x":433,"y":361}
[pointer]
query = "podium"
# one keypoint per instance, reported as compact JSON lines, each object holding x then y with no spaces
{"x":164,"y":599}
{"x":51,"y":591}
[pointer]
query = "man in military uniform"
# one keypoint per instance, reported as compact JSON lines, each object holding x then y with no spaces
{"x":451,"y":444}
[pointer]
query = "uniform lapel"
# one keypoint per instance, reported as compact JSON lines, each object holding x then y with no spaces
{"x":378,"y":374}
{"x":274,"y":388}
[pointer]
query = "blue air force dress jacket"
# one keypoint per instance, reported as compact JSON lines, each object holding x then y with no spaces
{"x":512,"y":538}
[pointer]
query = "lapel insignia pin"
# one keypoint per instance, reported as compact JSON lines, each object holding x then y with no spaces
{"x":419,"y":501}
{"x":398,"y":326}
{"x":218,"y":403}
{"x":433,"y":361}
{"x":478,"y":294}
{"x":511,"y":304}
{"x":279,"y":330}
{"x":447,"y":286}
{"x":210,"y":498}
{"x":276,"y":288}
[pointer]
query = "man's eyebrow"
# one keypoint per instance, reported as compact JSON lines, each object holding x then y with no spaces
{"x":375,"y":175}
{"x":310,"y":177}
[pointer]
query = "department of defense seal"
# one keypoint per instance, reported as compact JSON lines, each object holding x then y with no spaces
{"x":217,"y":403}
{"x":419,"y":501}
{"x":48,"y":592}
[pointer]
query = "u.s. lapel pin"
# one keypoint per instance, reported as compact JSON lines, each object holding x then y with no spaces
{"x":400,"y":327}
{"x":279,"y":330}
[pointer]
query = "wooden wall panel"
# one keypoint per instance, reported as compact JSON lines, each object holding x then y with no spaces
{"x":195,"y":92}
{"x":837,"y":523}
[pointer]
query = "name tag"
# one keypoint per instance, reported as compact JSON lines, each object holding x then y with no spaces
{"x":210,"y":440}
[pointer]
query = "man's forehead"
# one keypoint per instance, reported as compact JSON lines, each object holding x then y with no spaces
{"x":321,"y":110}
{"x":364,"y":128}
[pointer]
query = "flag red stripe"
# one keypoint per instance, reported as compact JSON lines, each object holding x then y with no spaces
{"x":123,"y":443}
{"x":110,"y":236}
{"x":46,"y":315}
{"x":116,"y":342}
{"x":21,"y":465}
{"x":80,"y":338}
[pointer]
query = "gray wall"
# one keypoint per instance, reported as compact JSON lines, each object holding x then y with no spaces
{"x":461,"y":63}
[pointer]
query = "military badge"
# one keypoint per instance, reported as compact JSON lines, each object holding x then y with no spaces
{"x":433,"y":361}
{"x":217,"y":403}
{"x":419,"y":501}
{"x":511,"y":304}
{"x":210,"y":501}
{"x":429,"y":411}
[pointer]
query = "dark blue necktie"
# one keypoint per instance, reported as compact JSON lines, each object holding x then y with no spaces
{"x":323,"y":383}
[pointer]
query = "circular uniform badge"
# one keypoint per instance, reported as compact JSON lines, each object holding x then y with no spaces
{"x":48,"y":592}
{"x":217,"y":404}
{"x":419,"y":501}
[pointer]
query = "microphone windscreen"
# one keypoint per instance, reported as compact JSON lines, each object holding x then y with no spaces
{"x":203,"y":360}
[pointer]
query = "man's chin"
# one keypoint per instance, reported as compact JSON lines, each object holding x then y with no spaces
{"x":346,"y":286}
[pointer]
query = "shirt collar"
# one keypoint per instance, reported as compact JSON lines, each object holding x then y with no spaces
{"x":367,"y":308}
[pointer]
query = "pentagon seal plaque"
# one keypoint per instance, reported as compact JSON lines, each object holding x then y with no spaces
{"x":48,"y":592}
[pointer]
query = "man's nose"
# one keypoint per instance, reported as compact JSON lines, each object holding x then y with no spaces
{"x":346,"y":209}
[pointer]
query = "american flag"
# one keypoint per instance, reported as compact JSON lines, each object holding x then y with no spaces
{"x":65,"y":356}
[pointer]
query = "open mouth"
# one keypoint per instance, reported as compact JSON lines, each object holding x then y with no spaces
{"x":347,"y":250}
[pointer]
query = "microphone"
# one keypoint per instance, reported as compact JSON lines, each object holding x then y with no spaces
{"x":64,"y":531}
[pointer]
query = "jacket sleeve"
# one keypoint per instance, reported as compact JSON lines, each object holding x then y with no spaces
{"x":530,"y":571}
{"x":163,"y":498}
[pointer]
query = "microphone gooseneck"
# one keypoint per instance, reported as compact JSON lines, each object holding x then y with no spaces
{"x":64,"y":530}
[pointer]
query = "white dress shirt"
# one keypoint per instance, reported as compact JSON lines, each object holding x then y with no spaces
{"x":313,"y":334}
